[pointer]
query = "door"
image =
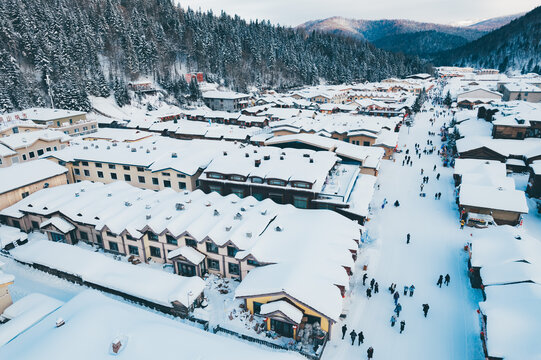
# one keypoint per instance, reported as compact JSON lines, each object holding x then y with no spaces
{"x":282,"y":328}
{"x":187,"y":270}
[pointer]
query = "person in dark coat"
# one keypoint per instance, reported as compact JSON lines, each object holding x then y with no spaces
{"x":376,"y":288}
{"x":353,"y":335}
{"x":369,"y":293}
{"x":395,"y":297}
{"x":372,"y":282}
{"x":438,"y":176}
{"x":412,"y":289}
{"x":365,"y":276}
{"x":398,"y":309}
{"x":402,"y":326}
{"x":396,"y":203}
{"x":370,"y":352}
{"x":440,"y":281}
{"x":434,"y":167}
{"x":447,"y":279}
{"x":344,"y":329}
{"x":406,"y":288}
{"x":408,"y":238}
{"x":361,"y":338}
{"x":425,"y":309}
{"x":393,"y":320}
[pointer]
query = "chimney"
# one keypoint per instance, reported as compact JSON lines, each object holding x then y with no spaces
{"x":116,"y":345}
{"x":60,"y":322}
{"x":257,"y":162}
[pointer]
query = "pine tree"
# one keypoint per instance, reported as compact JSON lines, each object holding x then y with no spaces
{"x":448,"y":101}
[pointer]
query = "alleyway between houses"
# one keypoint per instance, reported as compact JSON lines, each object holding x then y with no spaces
{"x":451,"y":330}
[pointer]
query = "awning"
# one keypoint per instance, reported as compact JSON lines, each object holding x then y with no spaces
{"x":60,"y":224}
{"x":283,"y":307}
{"x":189,"y":253}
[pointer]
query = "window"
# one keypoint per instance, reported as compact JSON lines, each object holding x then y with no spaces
{"x":181,"y":185}
{"x":213,"y":264}
{"x":35,"y":225}
{"x":276,"y":182}
{"x":171,"y":240}
{"x":111,"y":166}
{"x":133,"y":250}
{"x":113,"y":246}
{"x":182,"y":176}
{"x":24,"y":157}
{"x":212,"y":248}
{"x":54,"y":148}
{"x":155,"y":181}
{"x":153,"y":237}
{"x":31,"y":154}
{"x":84,"y":163}
{"x":140,"y":169}
{"x":252,"y":262}
{"x":277,"y":198}
{"x":166,"y":174}
{"x":191,"y":242}
{"x":215,"y":188}
{"x":257,"y":307}
{"x":215,"y":176}
{"x":233,"y":268}
{"x":110,"y":234}
{"x":127,"y":177}
{"x":257,"y":180}
{"x":155,"y":252}
{"x":236,"y":178}
{"x":113,"y":176}
{"x":366,"y":143}
{"x":300,"y":202}
{"x":258,"y":196}
{"x":141,"y":179}
{"x":519,"y":135}
{"x":99,"y":239}
{"x":58,"y":123}
{"x":98,"y":165}
{"x":87,"y":173}
{"x":301,"y":185}
{"x":15,"y":130}
{"x":40,"y":152}
{"x":167,"y":183}
{"x":126,"y":167}
{"x":16,"y":223}
{"x":238,"y":192}
{"x":76,"y":171}
{"x":84,"y":235}
{"x":100,"y":174}
{"x":232,"y":251}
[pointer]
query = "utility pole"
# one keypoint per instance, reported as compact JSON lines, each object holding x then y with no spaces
{"x":48,"y":81}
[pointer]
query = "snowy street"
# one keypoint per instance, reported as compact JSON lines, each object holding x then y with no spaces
{"x":451,"y":330}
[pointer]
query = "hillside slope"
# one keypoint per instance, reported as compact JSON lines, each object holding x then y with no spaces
{"x":421,"y":43}
{"x":515,"y":46}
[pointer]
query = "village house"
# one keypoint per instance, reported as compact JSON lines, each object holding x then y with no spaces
{"x":72,"y":123}
{"x":21,"y":180}
{"x":27,"y":146}
{"x":10,"y":237}
{"x":520,"y":91}
{"x":225,"y":100}
{"x":469,"y":99}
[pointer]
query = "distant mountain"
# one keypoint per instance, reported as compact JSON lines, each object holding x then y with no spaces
{"x":372,"y":30}
{"x":515,"y":46}
{"x":410,"y":37}
{"x":494,"y":23}
{"x":422,"y":43}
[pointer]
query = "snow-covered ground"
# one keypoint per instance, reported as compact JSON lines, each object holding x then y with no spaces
{"x":451,"y":330}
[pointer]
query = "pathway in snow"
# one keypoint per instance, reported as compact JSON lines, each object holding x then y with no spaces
{"x":451,"y":330}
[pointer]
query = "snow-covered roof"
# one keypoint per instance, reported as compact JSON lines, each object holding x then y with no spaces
{"x":528,"y":147}
{"x":47,"y":114}
{"x":142,"y":282}
{"x":27,"y":139}
{"x":285,"y":308}
{"x":510,"y":273}
{"x":191,"y":254}
{"x":119,"y":135}
{"x":495,"y":198}
{"x":229,"y":95}
{"x":59,"y":223}
{"x":143,"y":334}
{"x":20,"y":175}
{"x":476,"y":166}
{"x":10,"y":235}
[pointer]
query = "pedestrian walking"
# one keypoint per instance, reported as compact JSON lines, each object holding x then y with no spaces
{"x":438,"y":176}
{"x":344,"y":329}
{"x":402,"y":326}
{"x":369,"y":293}
{"x":408,"y":238}
{"x":440,"y":281}
{"x":372,"y":282}
{"x":422,"y":171}
{"x":412,"y":289}
{"x":398,"y":309}
{"x":406,"y":288}
{"x":425,"y":309}
{"x":434,"y":168}
{"x":370,"y":352}
{"x":395,"y":297}
{"x":361,"y":338}
{"x":439,"y":195}
{"x":376,"y":288}
{"x":393,"y":320}
{"x":447,"y":279}
{"x":462,"y":224}
{"x":365,"y":276}
{"x":436,"y":196}
{"x":353,"y":335}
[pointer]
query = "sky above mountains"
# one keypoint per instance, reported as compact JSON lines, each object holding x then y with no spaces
{"x":295,"y":12}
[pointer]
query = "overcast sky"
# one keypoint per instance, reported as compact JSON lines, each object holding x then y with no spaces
{"x":295,"y":12}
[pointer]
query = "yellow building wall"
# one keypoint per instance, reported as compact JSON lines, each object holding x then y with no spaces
{"x":325,"y":325}
{"x":9,"y":198}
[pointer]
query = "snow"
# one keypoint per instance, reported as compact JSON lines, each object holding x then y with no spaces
{"x":489,"y":197}
{"x":20,"y":175}
{"x":492,"y":168}
{"x":285,"y":308}
{"x":119,"y":135}
{"x":10,"y":235}
{"x":59,"y":223}
{"x":192,"y":255}
{"x":144,"y":335}
{"x":46,"y":114}
{"x":230,"y":95}
{"x":152,"y":285}
{"x":27,"y":139}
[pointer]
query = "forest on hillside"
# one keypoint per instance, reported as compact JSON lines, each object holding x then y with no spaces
{"x":94,"y":47}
